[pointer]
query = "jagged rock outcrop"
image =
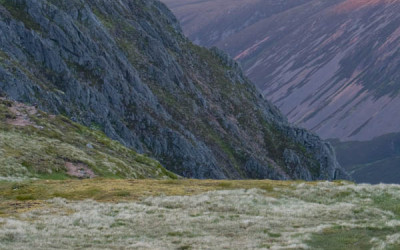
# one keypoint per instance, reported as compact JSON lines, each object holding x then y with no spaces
{"x":125,"y":67}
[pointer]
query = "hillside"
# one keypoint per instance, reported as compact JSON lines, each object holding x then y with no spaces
{"x":194,"y":214}
{"x":125,"y":68}
{"x":330,"y":66}
{"x":34,"y":144}
{"x":375,"y":161}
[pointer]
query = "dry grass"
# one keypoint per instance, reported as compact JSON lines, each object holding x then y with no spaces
{"x":109,"y":190}
{"x":194,"y":214}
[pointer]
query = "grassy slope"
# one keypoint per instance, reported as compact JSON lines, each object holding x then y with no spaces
{"x":42,"y":148}
{"x":185,"y":214}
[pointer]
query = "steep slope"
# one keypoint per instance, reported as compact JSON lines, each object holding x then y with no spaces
{"x":35,"y":144}
{"x":207,"y":22}
{"x":125,"y":67}
{"x":330,"y":66}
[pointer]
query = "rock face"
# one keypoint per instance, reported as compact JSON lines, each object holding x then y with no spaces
{"x":330,"y":66}
{"x":125,"y":67}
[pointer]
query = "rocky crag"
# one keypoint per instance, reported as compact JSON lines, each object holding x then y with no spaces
{"x":124,"y":67}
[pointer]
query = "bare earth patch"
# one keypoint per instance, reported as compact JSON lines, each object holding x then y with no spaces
{"x":79,"y":170}
{"x":21,"y":115}
{"x":15,"y":207}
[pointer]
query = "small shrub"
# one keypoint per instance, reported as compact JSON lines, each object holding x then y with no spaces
{"x":225,"y":184}
{"x":24,"y":197}
{"x":123,"y":193}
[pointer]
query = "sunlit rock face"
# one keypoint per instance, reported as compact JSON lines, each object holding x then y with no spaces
{"x":330,"y":66}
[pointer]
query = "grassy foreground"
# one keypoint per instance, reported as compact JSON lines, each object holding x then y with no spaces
{"x":193,"y":214}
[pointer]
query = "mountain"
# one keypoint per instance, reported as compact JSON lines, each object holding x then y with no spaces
{"x":35,"y":144}
{"x":330,"y":66}
{"x":125,"y":67}
{"x":375,"y":161}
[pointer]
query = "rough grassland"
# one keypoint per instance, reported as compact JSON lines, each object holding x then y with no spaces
{"x":34,"y":144}
{"x":193,"y":214}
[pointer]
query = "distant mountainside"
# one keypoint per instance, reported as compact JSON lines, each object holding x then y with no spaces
{"x":124,"y":67}
{"x":330,"y":66}
{"x":375,"y":161}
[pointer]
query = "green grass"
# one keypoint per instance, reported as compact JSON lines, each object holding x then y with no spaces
{"x":389,"y":202}
{"x":349,"y":238}
{"x":42,"y":149}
